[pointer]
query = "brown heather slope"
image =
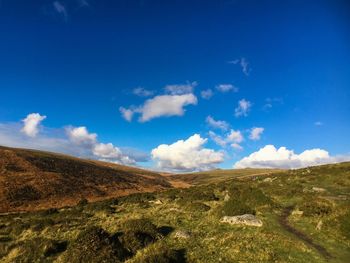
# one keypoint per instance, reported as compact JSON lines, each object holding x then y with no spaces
{"x":34,"y":180}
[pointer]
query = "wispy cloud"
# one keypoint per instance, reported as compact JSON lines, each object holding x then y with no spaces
{"x":318,"y":123}
{"x":142,"y":92}
{"x":207,"y":94}
{"x":179,"y":89}
{"x":60,"y":9}
{"x":243,"y":62}
{"x":217,"y":124}
{"x":255,"y":133}
{"x":243,"y":108}
{"x":226,"y":88}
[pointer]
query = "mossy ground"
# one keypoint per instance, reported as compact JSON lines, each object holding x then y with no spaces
{"x":140,"y":229}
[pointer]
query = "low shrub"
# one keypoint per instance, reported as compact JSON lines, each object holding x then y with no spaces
{"x":138,"y":233}
{"x":316,"y":207}
{"x":95,"y":245}
{"x":160,"y":253}
{"x":24,"y":193}
{"x":197,"y":193}
{"x":197,"y":207}
{"x":54,"y":247}
{"x":235,"y":207}
{"x":345,"y":225}
{"x":137,"y":198}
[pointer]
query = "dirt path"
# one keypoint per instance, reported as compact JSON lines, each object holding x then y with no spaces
{"x":283,"y":220}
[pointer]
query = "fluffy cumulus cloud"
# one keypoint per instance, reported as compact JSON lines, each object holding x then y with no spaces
{"x":217,"y":124}
{"x":271,"y":157}
{"x":160,"y":106}
{"x":186,"y":155}
{"x":255,"y":133}
{"x":243,"y":108}
{"x":179,"y":89}
{"x":207,"y":94}
{"x":77,"y":141}
{"x":31,"y":124}
{"x":81,"y":136}
{"x":226,"y":88}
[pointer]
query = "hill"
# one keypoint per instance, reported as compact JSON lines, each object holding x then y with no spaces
{"x":217,"y":175}
{"x":34,"y":180}
{"x":298,"y":216}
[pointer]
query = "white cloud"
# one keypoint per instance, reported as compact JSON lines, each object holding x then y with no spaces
{"x":243,"y":62}
{"x":255,"y":133}
{"x":159,"y":106}
{"x":219,"y":140}
{"x":31,"y":124}
{"x":142,"y":92}
{"x":106,"y":150}
{"x":76,"y":141}
{"x":226,"y":88}
{"x":81,"y":136}
{"x":217,"y":124}
{"x":186,"y":155}
{"x":233,"y":137}
{"x":243,"y":108}
{"x":236,"y":146}
{"x":271,"y":157}
{"x":127,"y":114}
{"x":318,"y":123}
{"x":207,"y":94}
{"x":179,"y":89}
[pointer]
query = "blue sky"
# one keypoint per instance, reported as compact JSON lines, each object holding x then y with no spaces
{"x":77,"y":62}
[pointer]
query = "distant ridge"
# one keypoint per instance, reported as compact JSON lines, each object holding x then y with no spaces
{"x":34,"y":180}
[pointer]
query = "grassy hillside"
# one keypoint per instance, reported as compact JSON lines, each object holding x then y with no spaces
{"x":36,"y":180}
{"x":219,"y":175}
{"x":305,"y":216}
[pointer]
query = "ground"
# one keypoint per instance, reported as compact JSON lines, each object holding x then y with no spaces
{"x":305,"y":215}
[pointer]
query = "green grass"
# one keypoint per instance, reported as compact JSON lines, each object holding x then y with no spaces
{"x":137,"y":229}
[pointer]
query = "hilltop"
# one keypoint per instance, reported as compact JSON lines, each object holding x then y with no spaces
{"x":34,"y":180}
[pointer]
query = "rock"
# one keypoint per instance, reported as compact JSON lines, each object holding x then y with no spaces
{"x":269,"y":180}
{"x":319,"y":225}
{"x":157,"y":202}
{"x":318,"y":189}
{"x":182,"y":234}
{"x":227,"y":197}
{"x":297,"y":212}
{"x":246,"y":219}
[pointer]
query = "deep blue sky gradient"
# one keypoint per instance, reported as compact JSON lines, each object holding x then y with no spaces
{"x":78,"y":70}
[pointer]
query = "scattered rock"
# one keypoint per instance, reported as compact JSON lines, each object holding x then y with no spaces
{"x":319,"y":225}
{"x":156,"y":202}
{"x":227,"y":197}
{"x":246,"y":219}
{"x":269,"y":179}
{"x":318,"y":189}
{"x":297,"y":212}
{"x":182,"y":234}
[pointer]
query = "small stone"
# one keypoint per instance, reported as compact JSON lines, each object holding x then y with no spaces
{"x":318,"y":189}
{"x":227,"y":197}
{"x":246,"y":219}
{"x":319,"y":225}
{"x":182,"y":234}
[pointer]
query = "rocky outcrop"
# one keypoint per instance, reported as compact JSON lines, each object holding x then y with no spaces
{"x":246,"y":219}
